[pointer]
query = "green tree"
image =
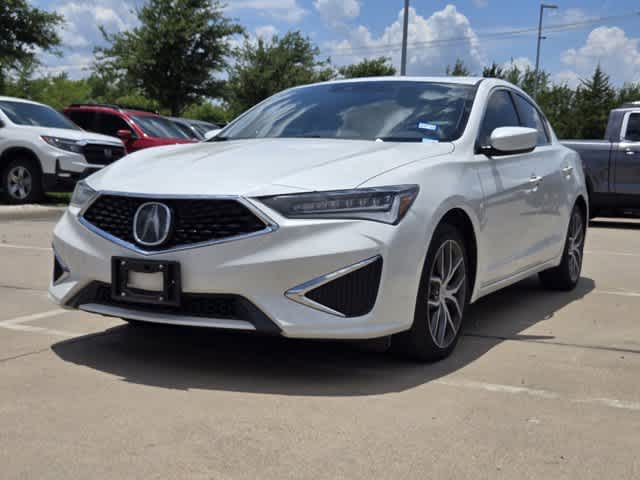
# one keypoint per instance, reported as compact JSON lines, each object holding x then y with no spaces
{"x":630,"y":92}
{"x":263,"y":68}
{"x":458,"y":70}
{"x":209,"y":112}
{"x":493,"y":71}
{"x":595,"y":97}
{"x":172,"y":56}
{"x":24,"y":28}
{"x":558,"y":104}
{"x":376,"y":67}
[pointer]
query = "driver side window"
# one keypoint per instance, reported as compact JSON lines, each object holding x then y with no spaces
{"x":501,"y":112}
{"x":633,"y":128}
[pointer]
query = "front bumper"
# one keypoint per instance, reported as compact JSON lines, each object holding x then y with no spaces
{"x":262,"y":270}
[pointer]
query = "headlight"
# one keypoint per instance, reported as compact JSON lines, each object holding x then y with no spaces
{"x":63,"y":144}
{"x":380,"y":204}
{"x":81,"y":194}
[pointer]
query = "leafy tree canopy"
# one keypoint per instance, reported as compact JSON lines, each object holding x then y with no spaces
{"x":263,"y":68}
{"x":24,"y":28}
{"x":376,"y":67}
{"x":458,"y":70}
{"x":174,"y":53}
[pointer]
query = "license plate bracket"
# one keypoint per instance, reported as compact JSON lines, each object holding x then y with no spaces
{"x":122,"y":291}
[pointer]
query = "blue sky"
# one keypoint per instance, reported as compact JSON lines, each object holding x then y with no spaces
{"x":349,"y":30}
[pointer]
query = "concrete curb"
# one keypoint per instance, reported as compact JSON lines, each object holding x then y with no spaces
{"x":31,"y":212}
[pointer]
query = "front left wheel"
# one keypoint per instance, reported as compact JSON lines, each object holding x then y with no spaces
{"x":442,"y":299}
{"x":22,"y":181}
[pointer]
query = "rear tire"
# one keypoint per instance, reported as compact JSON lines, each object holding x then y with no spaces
{"x":442,"y":299}
{"x":21,"y":181}
{"x":567,"y":275}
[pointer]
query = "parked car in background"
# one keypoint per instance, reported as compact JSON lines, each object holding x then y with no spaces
{"x":42,"y":150}
{"x":196,"y":129}
{"x":138,"y":129}
{"x":347,"y":210}
{"x":612,"y":165}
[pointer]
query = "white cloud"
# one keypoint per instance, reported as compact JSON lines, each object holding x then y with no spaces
{"x":610,"y":47}
{"x":285,"y":10}
{"x":75,"y":65}
{"x":569,"y":15}
{"x":571,"y":79}
{"x":427,"y":54}
{"x":481,"y":3}
{"x":523,"y":63}
{"x":266,"y":32}
{"x":82,"y":21}
{"x":335,"y":12}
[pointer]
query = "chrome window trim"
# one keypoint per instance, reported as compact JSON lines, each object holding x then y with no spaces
{"x":271,"y":226}
{"x":298,"y":293}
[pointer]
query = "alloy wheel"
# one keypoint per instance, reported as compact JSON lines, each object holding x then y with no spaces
{"x":446,"y":293}
{"x":19,"y":182}
{"x":576,"y":245}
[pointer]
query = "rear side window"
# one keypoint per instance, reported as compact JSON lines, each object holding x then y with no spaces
{"x":633,"y":128}
{"x":109,"y":124}
{"x":500,"y":112}
{"x":530,"y":118}
{"x":82,"y":119}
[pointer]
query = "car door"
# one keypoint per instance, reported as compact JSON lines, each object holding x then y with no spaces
{"x":550,"y":216}
{"x":109,"y":124}
{"x":627,"y":157}
{"x":511,"y":198}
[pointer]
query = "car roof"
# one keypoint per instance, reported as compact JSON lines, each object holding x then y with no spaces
{"x":109,"y":108}
{"x":450,"y":79}
{"x":20,"y":100}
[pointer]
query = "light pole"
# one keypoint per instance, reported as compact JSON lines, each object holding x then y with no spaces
{"x":540,"y":38}
{"x":405,"y":30}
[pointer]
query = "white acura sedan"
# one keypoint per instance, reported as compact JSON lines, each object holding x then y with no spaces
{"x":345,"y":210}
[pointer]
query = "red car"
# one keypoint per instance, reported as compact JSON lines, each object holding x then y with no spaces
{"x":137,"y":129}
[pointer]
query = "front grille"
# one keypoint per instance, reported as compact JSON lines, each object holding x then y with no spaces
{"x":201,"y":305}
{"x":194,"y":221}
{"x":97,"y":154}
{"x":353,"y":294}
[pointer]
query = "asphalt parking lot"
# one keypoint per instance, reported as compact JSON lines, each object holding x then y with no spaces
{"x":542,"y":385}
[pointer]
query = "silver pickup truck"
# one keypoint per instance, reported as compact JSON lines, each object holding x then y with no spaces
{"x":612,"y":166}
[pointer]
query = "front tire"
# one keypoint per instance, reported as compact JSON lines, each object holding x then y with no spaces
{"x":566,"y":275}
{"x":22,"y":182}
{"x":442,"y":299}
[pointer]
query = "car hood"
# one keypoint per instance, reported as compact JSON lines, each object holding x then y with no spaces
{"x":75,"y":135}
{"x":259,"y":166}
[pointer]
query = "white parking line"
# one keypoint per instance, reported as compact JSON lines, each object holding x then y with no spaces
{"x":24,"y":247}
{"x":18,"y":324}
{"x":539,"y":393}
{"x":604,"y":252}
{"x":621,"y":293}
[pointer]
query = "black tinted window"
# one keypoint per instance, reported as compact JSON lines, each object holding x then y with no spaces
{"x":633,"y":128}
{"x":500,"y":113}
{"x":109,"y":124}
{"x":530,"y":118}
{"x":32,"y":114}
{"x":83,"y":119}
{"x":386,"y":110}
{"x":156,"y":126}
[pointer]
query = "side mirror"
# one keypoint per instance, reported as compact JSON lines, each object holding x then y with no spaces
{"x":511,"y":141}
{"x":124,"y":135}
{"x":212,"y":133}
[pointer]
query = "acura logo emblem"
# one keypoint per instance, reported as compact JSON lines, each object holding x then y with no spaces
{"x":151,"y":224}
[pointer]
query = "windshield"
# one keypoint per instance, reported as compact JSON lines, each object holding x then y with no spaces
{"x":401,"y":111}
{"x":159,"y":127}
{"x":35,"y":115}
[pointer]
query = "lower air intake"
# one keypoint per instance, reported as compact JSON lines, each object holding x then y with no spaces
{"x":353,"y":294}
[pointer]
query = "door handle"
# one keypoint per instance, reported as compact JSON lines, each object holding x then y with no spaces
{"x":629,"y":152}
{"x":534,"y":180}
{"x":567,"y":170}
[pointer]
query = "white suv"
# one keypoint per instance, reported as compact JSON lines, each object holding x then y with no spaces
{"x":42,"y":150}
